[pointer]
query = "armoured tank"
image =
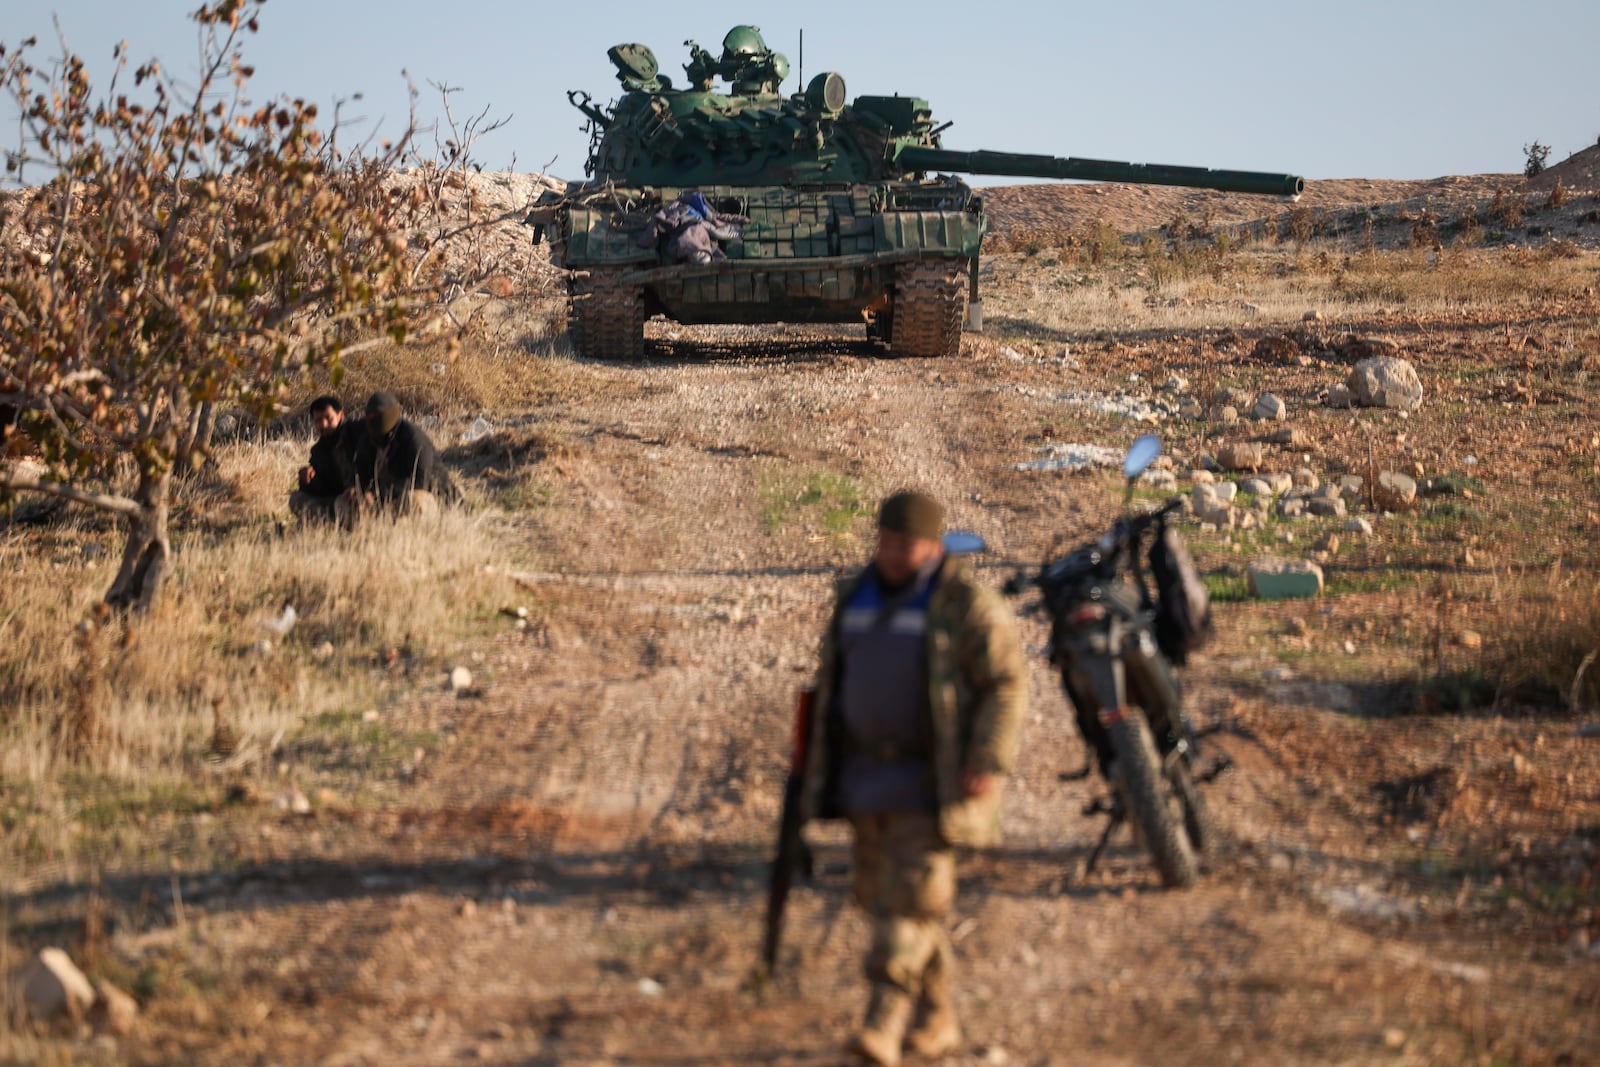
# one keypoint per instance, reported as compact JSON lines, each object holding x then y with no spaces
{"x":743,"y":205}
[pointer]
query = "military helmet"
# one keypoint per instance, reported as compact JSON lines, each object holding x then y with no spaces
{"x":743,"y":41}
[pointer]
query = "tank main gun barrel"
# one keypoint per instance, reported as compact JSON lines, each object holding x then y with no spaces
{"x":1013,"y":164}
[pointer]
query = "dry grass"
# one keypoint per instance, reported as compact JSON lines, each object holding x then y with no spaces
{"x":1546,"y":639}
{"x":107,"y":715}
{"x":1174,"y":289}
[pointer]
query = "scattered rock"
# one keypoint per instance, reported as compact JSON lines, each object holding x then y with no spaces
{"x":1327,"y":507}
{"x":1227,"y":414}
{"x":1202,"y":477}
{"x":1291,"y":507}
{"x":1175,"y":384}
{"x":460,"y":679}
{"x":1275,"y":579}
{"x":1278,"y":481}
{"x":52,"y":987}
{"x":293,"y":801}
{"x":1329,"y":543}
{"x":1340,"y":396}
{"x":1240,"y":456}
{"x":1291,"y":437}
{"x":1395,"y":491}
{"x":1305,"y":478}
{"x":650,"y":987}
{"x":1386,"y":382}
{"x":1469,"y":639}
{"x":1269,"y":406}
{"x":1311,"y":316}
{"x":1363,"y":527}
{"x":1255,"y":486}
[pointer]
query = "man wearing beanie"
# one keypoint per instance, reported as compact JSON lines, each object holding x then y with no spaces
{"x":397,"y":466}
{"x":919,"y":703}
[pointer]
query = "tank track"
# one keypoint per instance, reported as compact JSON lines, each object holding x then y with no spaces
{"x":929,"y":303}
{"x":606,"y":319}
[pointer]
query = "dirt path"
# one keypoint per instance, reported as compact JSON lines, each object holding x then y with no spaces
{"x":575,"y":875}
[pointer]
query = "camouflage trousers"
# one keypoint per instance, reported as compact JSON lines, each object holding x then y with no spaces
{"x":905,"y":880}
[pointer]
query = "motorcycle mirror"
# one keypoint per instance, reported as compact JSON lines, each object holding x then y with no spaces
{"x":963,"y":543}
{"x":1142,"y":453}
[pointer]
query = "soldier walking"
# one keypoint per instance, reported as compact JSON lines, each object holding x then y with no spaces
{"x":919,"y":702}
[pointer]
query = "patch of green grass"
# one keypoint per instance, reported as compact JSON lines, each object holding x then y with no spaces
{"x":1226,"y":588}
{"x":833,"y":500}
{"x":107,"y":804}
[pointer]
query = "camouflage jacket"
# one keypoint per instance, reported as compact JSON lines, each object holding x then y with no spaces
{"x":977,"y":696}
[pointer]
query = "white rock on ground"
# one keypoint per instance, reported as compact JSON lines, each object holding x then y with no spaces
{"x":51,"y":986}
{"x":1385,"y":382}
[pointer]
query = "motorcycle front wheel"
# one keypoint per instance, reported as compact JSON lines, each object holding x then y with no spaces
{"x":1157,"y":811}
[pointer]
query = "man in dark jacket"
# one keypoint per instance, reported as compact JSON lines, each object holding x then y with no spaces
{"x":919,"y":704}
{"x":397,"y":466}
{"x":331,"y":468}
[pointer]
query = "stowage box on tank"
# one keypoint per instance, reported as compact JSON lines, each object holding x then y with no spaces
{"x":747,"y":206}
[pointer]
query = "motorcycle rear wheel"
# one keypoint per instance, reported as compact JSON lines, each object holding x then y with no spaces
{"x":1156,"y":810}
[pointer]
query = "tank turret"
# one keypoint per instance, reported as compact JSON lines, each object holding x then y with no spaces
{"x":823,"y":207}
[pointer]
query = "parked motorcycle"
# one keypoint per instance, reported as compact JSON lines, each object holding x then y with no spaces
{"x":1115,"y":641}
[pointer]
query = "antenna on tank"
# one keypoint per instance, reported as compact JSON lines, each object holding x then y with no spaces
{"x":802,"y":56}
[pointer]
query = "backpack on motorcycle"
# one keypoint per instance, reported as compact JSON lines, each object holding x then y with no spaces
{"x":1183,"y":607}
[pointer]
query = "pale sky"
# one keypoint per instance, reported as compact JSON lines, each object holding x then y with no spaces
{"x":1358,"y":89}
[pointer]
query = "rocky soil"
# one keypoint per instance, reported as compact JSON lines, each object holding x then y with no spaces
{"x":570,"y":868}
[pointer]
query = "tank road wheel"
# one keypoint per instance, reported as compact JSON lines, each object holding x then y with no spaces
{"x":607,"y":317}
{"x":929,"y":302}
{"x":1157,"y":813}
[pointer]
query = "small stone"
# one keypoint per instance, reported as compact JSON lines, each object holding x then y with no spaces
{"x":1327,"y":507}
{"x":1292,"y":508}
{"x":1362,"y":527}
{"x":1269,"y":406}
{"x":1273,"y":579}
{"x":467,"y":909}
{"x":650,"y":987}
{"x":1240,"y":456}
{"x":1225,"y":490}
{"x":1328,"y":542}
{"x":1469,"y":639}
{"x":460,"y":678}
{"x":1177,"y":383}
{"x":1255,"y":486}
{"x":52,"y":986}
{"x":1290,"y":437}
{"x":1202,"y":477}
{"x":1385,"y":382}
{"x":1311,"y":316}
{"x":323,"y":651}
{"x":1340,"y":396}
{"x":1395,"y":491}
{"x":1306,"y":478}
{"x":1349,"y":648}
{"x":1394,"y":1037}
{"x":1297,"y":626}
{"x":1278,"y":481}
{"x":1227,"y":414}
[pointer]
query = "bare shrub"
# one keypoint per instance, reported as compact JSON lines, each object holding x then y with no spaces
{"x":1558,"y":196}
{"x":1546,"y":632}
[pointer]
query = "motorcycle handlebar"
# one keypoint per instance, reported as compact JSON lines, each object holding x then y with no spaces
{"x":1125,"y":530}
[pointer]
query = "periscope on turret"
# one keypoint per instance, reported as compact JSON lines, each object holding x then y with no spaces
{"x":817,"y":208}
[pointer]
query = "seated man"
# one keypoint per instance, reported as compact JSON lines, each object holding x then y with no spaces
{"x":331,"y":468}
{"x":397,"y":466}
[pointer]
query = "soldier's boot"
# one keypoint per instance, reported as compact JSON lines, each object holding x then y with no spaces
{"x":937,"y":1032}
{"x":881,"y":1037}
